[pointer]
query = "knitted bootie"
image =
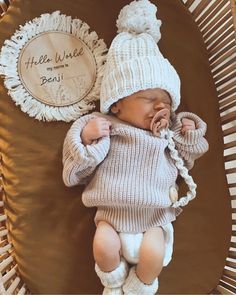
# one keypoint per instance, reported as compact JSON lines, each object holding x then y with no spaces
{"x":133,"y":285}
{"x":130,"y":246}
{"x":112,"y":291}
{"x":113,"y":280}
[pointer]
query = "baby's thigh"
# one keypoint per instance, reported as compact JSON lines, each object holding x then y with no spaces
{"x":106,"y":240}
{"x":153,"y":245}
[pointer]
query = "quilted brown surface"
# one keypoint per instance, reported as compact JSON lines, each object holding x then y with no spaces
{"x":50,"y":229}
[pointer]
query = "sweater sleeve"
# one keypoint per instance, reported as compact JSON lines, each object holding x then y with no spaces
{"x":80,"y":161}
{"x":192,"y":144}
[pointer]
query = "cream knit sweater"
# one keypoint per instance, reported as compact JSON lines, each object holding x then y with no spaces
{"x":129,"y":173}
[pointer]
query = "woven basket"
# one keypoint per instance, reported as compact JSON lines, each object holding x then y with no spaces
{"x":216,"y":20}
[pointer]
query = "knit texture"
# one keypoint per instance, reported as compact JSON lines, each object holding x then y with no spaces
{"x":129,"y":174}
{"x":133,"y":285}
{"x":115,"y":278}
{"x":134,"y":61}
{"x":139,"y":17}
{"x":112,"y":291}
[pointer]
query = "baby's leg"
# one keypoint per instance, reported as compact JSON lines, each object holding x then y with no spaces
{"x":106,"y":247}
{"x":142,"y":279}
{"x":151,"y":255}
{"x":110,"y":268}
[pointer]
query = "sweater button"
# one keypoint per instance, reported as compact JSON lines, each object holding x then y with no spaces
{"x":173,"y":194}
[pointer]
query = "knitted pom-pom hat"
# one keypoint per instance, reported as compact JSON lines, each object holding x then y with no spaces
{"x":134,"y":61}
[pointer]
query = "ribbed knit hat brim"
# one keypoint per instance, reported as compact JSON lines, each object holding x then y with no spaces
{"x":139,"y":74}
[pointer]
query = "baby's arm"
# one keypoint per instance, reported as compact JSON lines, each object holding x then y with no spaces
{"x":189,"y":140}
{"x":85,"y":147}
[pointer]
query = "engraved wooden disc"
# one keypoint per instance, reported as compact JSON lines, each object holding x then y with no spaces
{"x":57,"y":68}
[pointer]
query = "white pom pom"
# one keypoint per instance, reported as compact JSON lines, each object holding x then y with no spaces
{"x":139,"y":17}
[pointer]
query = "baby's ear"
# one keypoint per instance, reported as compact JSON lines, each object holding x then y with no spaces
{"x":114,"y":108}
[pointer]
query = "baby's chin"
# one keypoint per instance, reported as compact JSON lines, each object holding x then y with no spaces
{"x":142,"y":125}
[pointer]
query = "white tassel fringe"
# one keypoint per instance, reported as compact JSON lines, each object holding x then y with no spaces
{"x":9,"y":58}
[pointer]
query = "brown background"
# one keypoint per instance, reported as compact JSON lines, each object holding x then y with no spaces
{"x":51,"y":230}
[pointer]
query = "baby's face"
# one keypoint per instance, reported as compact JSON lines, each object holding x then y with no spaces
{"x":139,"y":108}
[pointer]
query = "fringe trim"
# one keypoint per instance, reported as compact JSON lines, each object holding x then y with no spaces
{"x":9,"y":58}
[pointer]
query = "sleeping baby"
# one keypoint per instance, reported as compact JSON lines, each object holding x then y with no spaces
{"x":130,"y":154}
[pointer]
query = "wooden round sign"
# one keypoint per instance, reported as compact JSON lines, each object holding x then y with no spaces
{"x":56,"y":69}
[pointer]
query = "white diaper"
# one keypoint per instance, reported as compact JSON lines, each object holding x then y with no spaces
{"x":131,"y":242}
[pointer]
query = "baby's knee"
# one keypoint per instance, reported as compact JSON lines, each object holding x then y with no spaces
{"x":153,"y":256}
{"x":106,"y":245}
{"x":106,"y":248}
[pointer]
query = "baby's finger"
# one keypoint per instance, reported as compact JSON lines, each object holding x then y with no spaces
{"x":105,"y":132}
{"x":186,"y":120}
{"x":98,"y":120}
{"x":107,"y":127}
{"x":189,"y":122}
{"x":189,"y":126}
{"x":106,"y":123}
{"x":185,"y":129}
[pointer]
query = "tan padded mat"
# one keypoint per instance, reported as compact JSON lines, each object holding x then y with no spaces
{"x":51,"y":230}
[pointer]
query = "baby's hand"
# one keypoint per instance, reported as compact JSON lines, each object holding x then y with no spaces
{"x":95,"y":129}
{"x":187,"y":124}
